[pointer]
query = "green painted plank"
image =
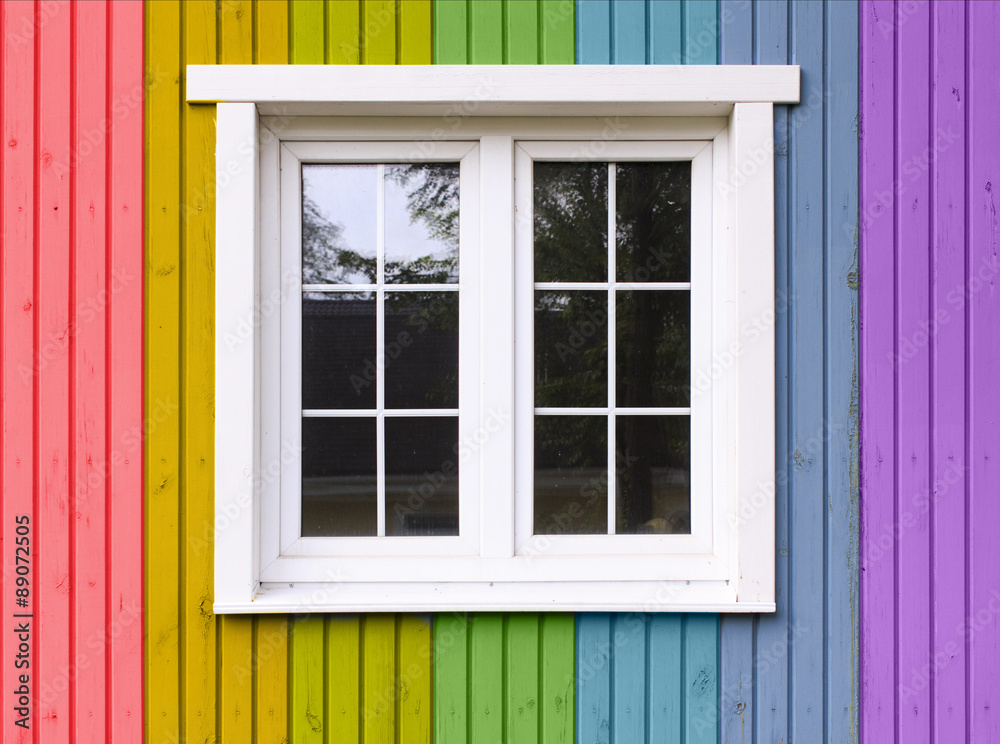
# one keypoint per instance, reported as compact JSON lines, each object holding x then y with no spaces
{"x":450,"y":24}
{"x":557,"y":687}
{"x":486,"y":32}
{"x":521,"y":32}
{"x":557,"y":32}
{"x":306,"y":32}
{"x":486,"y":678}
{"x":451,"y":678}
{"x":521,"y":693}
{"x":306,"y":718}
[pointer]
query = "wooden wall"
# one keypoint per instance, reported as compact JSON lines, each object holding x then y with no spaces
{"x":71,"y":86}
{"x":930,"y":143}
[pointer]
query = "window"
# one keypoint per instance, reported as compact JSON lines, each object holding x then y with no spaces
{"x":513,"y":352}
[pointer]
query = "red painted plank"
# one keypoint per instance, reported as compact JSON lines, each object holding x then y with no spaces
{"x":53,"y":336}
{"x":17,"y":317}
{"x":89,"y":302}
{"x":125,"y":335}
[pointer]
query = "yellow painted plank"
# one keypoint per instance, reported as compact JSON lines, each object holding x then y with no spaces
{"x":306,"y":723}
{"x":271,"y":21}
{"x":271,"y":679}
{"x":306,"y":36}
{"x":198,"y":385}
{"x":162,"y":270}
{"x":236,"y":32}
{"x":378,"y":32}
{"x":343,"y":33}
{"x":414,"y":721}
{"x":236,"y":670}
{"x":378,"y":681}
{"x":343,"y":644}
{"x":415,"y":32}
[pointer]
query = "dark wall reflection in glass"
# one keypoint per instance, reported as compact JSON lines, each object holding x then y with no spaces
{"x":421,"y":223}
{"x":571,"y":222}
{"x":653,"y":354}
{"x":571,"y":348}
{"x":421,"y":349}
{"x":421,"y":475}
{"x":653,"y":222}
{"x":653,"y":475}
{"x":339,"y":496}
{"x":338,"y":350}
{"x":571,"y":475}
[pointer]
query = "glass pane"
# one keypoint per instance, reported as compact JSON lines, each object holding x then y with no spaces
{"x":653,"y":235}
{"x":571,"y":222}
{"x":571,"y":348}
{"x":653,"y":475}
{"x":339,"y":221}
{"x":653,"y":348}
{"x":421,"y":223}
{"x":421,"y":349}
{"x":571,"y":475}
{"x":421,"y":476}
{"x":338,"y":477}
{"x":338,"y":350}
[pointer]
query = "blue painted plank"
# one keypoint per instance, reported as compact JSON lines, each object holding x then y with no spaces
{"x":593,"y":32}
{"x":700,"y":679}
{"x":735,"y":32}
{"x":593,"y":677}
{"x":628,"y":678}
{"x":664,"y":36}
{"x":700,"y":32}
{"x":665,"y":649}
{"x":628,"y":32}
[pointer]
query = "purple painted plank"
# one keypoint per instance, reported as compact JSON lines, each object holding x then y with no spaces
{"x":912,"y":369}
{"x":878,"y":483}
{"x":983,"y":627}
{"x":948,"y":375}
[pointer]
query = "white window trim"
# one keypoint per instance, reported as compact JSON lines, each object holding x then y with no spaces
{"x":736,"y":101}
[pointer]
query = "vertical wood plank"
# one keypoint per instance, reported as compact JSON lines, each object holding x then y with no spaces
{"x":378,"y":32}
{"x":236,"y":671}
{"x":343,"y":686}
{"x":521,"y":699}
{"x":557,"y":32}
{"x":664,"y":37}
{"x":485,"y":42}
{"x":665,"y":689}
{"x":485,"y":684}
{"x":593,"y":32}
{"x":343,"y":32}
{"x":414,"y":702}
{"x":89,"y":354}
{"x":415,"y":34}
{"x":236,"y":21}
{"x":593,"y":677}
{"x":270,"y":19}
{"x":450,"y":39}
{"x":451,"y":678}
{"x":628,"y":32}
{"x":628,"y":677}
{"x":306,"y":37}
{"x":557,"y":688}
{"x":19,"y":307}
{"x":125,"y":377}
{"x":700,"y":33}
{"x":700,"y":679}
{"x":521,"y":33}
{"x":306,"y":696}
{"x":197,"y":380}
{"x":378,"y":676}
{"x":878,"y":332}
{"x":162,"y":333}
{"x":54,"y":504}
{"x":271,"y":679}
{"x":984,"y":396}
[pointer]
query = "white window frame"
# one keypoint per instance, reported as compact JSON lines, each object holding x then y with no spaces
{"x":727,"y":564}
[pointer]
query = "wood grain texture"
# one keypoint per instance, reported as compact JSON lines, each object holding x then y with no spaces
{"x":636,"y":32}
{"x":929,"y":412}
{"x":504,"y":32}
{"x":793,"y":675}
{"x":71,"y":358}
{"x":504,"y":677}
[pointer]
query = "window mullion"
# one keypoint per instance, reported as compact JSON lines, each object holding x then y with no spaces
{"x":380,"y":350}
{"x":612,"y":383}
